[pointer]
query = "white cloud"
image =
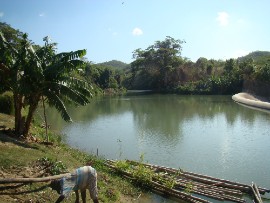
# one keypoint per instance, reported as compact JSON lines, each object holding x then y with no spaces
{"x":41,"y":14}
{"x":223,"y":18}
{"x":137,"y":31}
{"x":1,"y":14}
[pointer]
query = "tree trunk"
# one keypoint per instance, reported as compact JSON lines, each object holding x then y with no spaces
{"x":32,"y":108}
{"x":19,"y":122}
{"x":45,"y":119}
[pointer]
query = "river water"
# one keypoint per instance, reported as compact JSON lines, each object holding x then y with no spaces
{"x":210,"y":135}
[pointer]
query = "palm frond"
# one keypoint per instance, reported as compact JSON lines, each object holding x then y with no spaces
{"x":80,"y":85}
{"x":67,"y":56}
{"x":60,"y":68}
{"x":55,"y":101}
{"x":74,"y":95}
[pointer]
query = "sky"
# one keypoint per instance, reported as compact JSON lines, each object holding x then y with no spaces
{"x":113,"y":29}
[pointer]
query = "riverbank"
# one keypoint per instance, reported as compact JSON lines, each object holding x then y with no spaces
{"x":252,"y":100}
{"x":31,"y":158}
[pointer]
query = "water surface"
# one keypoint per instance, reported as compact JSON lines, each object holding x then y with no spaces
{"x":205,"y":134}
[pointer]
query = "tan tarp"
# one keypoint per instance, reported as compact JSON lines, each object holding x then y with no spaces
{"x":251,"y":100}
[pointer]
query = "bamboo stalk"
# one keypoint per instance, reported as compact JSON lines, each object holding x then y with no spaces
{"x":212,"y":194}
{"x":211,"y":187}
{"x":227,"y":183}
{"x":215,"y":188}
{"x":218,"y":193}
{"x":256,"y":193}
{"x":31,"y":180}
{"x":209,"y":193}
{"x":205,"y":180}
{"x":185,"y":195}
{"x":165,"y":190}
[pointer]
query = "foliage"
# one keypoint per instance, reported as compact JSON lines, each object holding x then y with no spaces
{"x":226,"y":84}
{"x":11,"y":35}
{"x":189,"y":188}
{"x":159,"y":67}
{"x":104,"y":76}
{"x":31,"y":75}
{"x":115,"y":64}
{"x":260,"y":57}
{"x":144,"y":175}
{"x":263,"y":73}
{"x":229,"y":65}
{"x":247,"y":67}
{"x":7,"y":103}
{"x":53,"y":167}
{"x":202,"y":77}
{"x":122,"y":165}
{"x":158,"y":61}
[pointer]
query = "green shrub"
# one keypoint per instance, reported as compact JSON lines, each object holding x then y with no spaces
{"x":7,"y":103}
{"x":52,"y":166}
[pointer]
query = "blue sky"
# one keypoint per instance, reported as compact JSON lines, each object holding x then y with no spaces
{"x":113,"y":29}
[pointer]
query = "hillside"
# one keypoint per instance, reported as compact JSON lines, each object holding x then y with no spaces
{"x":115,"y":64}
{"x":259,"y":57}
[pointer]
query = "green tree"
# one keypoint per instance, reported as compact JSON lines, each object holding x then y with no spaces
{"x":247,"y":67}
{"x":159,"y":60}
{"x":229,"y":65}
{"x":263,"y":73}
{"x":11,"y":35}
{"x":201,"y":63}
{"x":32,"y":76}
{"x":14,"y":58}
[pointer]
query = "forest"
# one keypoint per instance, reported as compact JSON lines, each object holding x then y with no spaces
{"x":162,"y":68}
{"x":31,"y":73}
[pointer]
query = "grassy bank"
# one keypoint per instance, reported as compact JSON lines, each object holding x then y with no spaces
{"x":32,"y":158}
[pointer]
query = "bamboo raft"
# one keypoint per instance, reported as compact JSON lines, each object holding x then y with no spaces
{"x":200,"y":186}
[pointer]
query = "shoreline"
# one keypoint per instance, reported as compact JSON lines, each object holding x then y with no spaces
{"x":251,"y":100}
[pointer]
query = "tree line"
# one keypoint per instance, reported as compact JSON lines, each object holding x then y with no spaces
{"x":161,"y":67}
{"x":38,"y":74}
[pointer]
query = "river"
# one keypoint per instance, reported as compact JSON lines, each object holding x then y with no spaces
{"x":210,"y":135}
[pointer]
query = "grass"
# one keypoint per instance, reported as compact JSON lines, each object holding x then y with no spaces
{"x":21,"y":158}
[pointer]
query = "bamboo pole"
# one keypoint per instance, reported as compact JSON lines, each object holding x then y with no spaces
{"x":204,"y":185}
{"x":256,"y":194}
{"x":211,"y":187}
{"x":182,"y":184}
{"x":234,"y":185}
{"x":185,"y":196}
{"x":31,"y":180}
{"x":215,"y":194}
{"x":160,"y":188}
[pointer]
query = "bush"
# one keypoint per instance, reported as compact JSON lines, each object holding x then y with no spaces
{"x":263,"y":73}
{"x":7,"y":103}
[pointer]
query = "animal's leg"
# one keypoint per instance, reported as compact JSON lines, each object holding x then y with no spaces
{"x":77,"y":197}
{"x":83,"y":193}
{"x":60,"y":199}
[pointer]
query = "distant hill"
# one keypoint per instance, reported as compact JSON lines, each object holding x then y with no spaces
{"x":115,"y":64}
{"x":259,"y":57}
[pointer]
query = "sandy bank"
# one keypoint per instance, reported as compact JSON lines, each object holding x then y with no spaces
{"x":251,"y":100}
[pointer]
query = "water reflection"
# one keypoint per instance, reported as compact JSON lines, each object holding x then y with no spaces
{"x":205,"y":134}
{"x":159,"y":114}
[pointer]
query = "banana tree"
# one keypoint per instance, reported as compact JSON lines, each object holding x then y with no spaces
{"x":55,"y":82}
{"x":14,"y":58}
{"x":33,"y":75}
